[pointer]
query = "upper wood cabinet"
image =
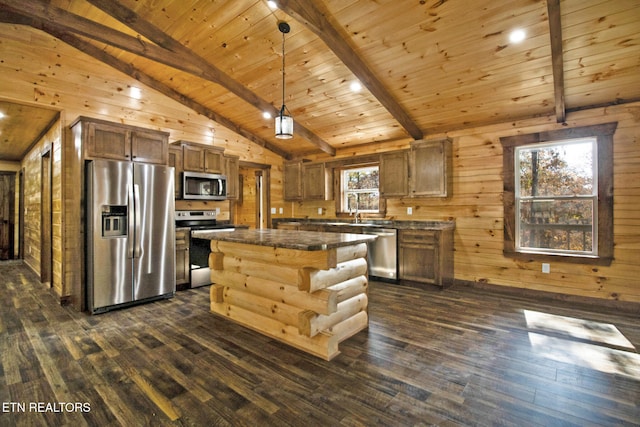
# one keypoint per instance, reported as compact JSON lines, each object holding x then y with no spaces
{"x":429,"y":168}
{"x":232,"y":171}
{"x":307,"y":181}
{"x":175,"y":160}
{"x":317,"y":182}
{"x":114,"y":141}
{"x":292,"y":185}
{"x":394,"y":174}
{"x":201,"y":158}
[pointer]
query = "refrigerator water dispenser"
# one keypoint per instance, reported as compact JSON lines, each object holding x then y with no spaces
{"x":114,"y":221}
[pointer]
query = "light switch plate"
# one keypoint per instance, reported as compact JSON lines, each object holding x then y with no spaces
{"x":409,"y":211}
{"x":319,"y":211}
{"x":546,"y":268}
{"x":281,"y":211}
{"x":273,"y":211}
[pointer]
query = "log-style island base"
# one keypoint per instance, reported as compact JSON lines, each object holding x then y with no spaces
{"x":306,"y":289}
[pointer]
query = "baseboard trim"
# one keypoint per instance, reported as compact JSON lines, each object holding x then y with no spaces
{"x":588,"y":302}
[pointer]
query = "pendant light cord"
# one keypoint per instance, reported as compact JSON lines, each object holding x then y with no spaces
{"x":283,"y":74}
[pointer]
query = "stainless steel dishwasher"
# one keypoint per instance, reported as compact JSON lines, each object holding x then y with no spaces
{"x":383,"y":253}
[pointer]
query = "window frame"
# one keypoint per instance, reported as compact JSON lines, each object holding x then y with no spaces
{"x":604,"y":209}
{"x":344,"y":191}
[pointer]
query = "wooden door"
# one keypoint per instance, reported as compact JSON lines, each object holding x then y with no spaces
{"x":394,"y":174}
{"x":175,"y":160}
{"x":7,"y":210}
{"x":317,"y":182}
{"x":292,"y":181}
{"x":192,"y":158}
{"x":149,"y":147}
{"x":213,"y":160}
{"x":429,"y":168}
{"x":46,"y":246}
{"x":108,"y":141}
{"x":231,"y":167}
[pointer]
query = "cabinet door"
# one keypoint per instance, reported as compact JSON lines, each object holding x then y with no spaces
{"x":175,"y":160}
{"x":292,"y":181}
{"x":182,"y":256}
{"x":429,"y":168}
{"x":394,"y":174}
{"x":231,"y":170}
{"x":193,"y":158}
{"x":213,"y":160}
{"x":106,"y":141}
{"x":419,"y":256}
{"x":149,"y":147}
{"x":316,"y":183}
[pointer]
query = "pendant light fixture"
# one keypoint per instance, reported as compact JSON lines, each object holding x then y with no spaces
{"x":284,"y":121}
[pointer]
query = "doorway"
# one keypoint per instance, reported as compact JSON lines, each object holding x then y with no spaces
{"x":254,"y":205}
{"x":7,"y":215}
{"x":46,"y":212}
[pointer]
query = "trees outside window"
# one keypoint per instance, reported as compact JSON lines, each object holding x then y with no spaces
{"x":556,"y":192}
{"x":360,"y":189}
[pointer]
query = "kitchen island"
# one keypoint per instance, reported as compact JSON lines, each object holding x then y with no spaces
{"x":306,"y":289}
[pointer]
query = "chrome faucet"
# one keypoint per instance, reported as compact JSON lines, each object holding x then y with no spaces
{"x":355,"y":216}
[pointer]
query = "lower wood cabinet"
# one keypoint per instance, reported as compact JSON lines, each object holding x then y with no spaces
{"x":182,"y":258}
{"x":426,"y":256}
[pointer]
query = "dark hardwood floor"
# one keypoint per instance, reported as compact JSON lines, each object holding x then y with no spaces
{"x":456,"y":357}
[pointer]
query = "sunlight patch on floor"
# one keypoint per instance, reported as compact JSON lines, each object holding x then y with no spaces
{"x":587,"y":330}
{"x":582,"y":342}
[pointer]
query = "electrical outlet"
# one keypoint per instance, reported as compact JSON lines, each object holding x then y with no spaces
{"x":273,"y":211}
{"x":409,"y":211}
{"x":281,"y":211}
{"x":546,"y":268}
{"x":319,"y":211}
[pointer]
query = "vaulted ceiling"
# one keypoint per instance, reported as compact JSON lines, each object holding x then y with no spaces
{"x":426,"y":66}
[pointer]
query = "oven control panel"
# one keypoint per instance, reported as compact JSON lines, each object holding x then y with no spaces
{"x":196,"y":215}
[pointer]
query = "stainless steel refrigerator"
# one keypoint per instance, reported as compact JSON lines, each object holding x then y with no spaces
{"x":130,"y":234}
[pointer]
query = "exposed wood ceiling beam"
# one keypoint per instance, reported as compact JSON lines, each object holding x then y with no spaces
{"x":557,"y":62}
{"x":132,"y":20}
{"x":149,"y":81}
{"x":185,"y":60}
{"x":316,"y":18}
{"x":61,"y":33}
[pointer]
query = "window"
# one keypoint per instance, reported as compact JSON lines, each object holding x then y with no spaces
{"x":558,"y":194}
{"x":360,"y":189}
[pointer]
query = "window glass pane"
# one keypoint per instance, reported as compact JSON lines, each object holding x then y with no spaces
{"x":563,"y":225}
{"x":360,"y":189}
{"x":362,"y":179}
{"x":557,"y":170}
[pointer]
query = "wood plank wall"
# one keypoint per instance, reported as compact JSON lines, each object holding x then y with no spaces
{"x":32,"y":164}
{"x":476,"y":206}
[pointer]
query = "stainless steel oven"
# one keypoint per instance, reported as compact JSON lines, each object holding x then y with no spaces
{"x":199,"y":249}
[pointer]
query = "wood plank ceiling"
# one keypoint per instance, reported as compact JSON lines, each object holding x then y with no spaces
{"x":427,"y":66}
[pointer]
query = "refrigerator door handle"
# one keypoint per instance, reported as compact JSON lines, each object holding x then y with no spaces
{"x":131,"y":231}
{"x":137,"y":249}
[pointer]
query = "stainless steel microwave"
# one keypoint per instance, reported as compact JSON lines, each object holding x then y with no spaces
{"x":203,"y":186}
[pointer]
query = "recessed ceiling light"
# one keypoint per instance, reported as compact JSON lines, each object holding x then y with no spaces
{"x":266,"y":115}
{"x":1,"y":115}
{"x":272,"y":4}
{"x":517,"y":36}
{"x":355,"y":87}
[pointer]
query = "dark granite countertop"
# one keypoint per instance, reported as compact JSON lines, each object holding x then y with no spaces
{"x":291,"y":239}
{"x":399,"y":225}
